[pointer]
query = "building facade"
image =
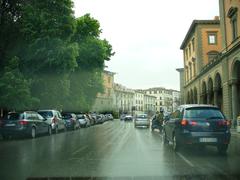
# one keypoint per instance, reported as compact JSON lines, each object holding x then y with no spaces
{"x":166,"y":99}
{"x":123,"y":99}
{"x":104,"y":101}
{"x":211,"y":52}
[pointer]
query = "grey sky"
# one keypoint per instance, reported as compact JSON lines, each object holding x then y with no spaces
{"x":146,"y":36}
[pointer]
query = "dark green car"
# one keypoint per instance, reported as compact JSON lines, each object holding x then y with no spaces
{"x":27,"y":123}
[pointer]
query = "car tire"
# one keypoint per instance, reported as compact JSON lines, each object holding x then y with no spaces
{"x":49,"y":130}
{"x":33,"y":133}
{"x":164,"y":138}
{"x":175,"y":143}
{"x":222,"y":149}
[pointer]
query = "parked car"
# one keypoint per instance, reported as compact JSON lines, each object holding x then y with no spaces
{"x":71,"y":121}
{"x":83,"y":120}
{"x":110,"y":117}
{"x":25,"y":123}
{"x":128,"y":118}
{"x":197,"y":125}
{"x":54,"y":118}
{"x":141,"y":120}
{"x":100,"y":119}
{"x":94,"y":118}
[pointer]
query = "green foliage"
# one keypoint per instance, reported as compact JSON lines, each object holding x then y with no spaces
{"x":14,"y":88}
{"x":60,"y":58}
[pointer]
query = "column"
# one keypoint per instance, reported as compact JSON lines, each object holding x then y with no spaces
{"x":208,"y":97}
{"x":215,"y":94}
{"x":234,"y":102}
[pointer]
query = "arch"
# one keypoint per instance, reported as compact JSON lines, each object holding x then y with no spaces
{"x":218,"y":91}
{"x":195,"y":96}
{"x":204,"y":93}
{"x":210,"y":92}
{"x":235,"y":89}
{"x":191,"y":96}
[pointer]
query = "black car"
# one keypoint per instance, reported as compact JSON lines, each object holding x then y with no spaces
{"x":197,"y":125}
{"x":27,"y":123}
{"x":71,"y":121}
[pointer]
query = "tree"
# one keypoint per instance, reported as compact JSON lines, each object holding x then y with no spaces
{"x":14,"y":88}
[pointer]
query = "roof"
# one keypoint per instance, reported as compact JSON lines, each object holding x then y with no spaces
{"x":197,"y":105}
{"x":192,"y":29}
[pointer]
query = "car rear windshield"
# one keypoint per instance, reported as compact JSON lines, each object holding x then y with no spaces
{"x":142,"y":116}
{"x":46,"y":114}
{"x":67,"y":116}
{"x":14,"y":116}
{"x":203,"y":113}
{"x":80,"y":116}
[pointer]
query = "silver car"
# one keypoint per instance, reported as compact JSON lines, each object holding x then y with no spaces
{"x":54,"y":118}
{"x":141,"y":120}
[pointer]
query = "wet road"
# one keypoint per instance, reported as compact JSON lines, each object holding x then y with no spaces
{"x":113,"y":150}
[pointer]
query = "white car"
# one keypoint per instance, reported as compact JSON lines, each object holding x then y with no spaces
{"x":83,"y":120}
{"x":54,"y":118}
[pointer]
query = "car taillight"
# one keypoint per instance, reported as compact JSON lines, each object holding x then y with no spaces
{"x":184,"y":122}
{"x":224,"y":123}
{"x":23,"y":122}
{"x":193,"y":123}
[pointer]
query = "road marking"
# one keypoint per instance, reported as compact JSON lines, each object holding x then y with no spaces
{"x":185,"y":159}
{"x":81,"y":149}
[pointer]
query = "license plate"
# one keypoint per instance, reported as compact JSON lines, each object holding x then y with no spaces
{"x":208,"y":139}
{"x":10,"y":125}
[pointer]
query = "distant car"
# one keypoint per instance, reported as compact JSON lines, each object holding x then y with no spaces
{"x":71,"y":121}
{"x":83,"y":120}
{"x":25,"y":123}
{"x":122,"y":117}
{"x":128,"y":118}
{"x":54,"y":118}
{"x":141,"y":120}
{"x":197,"y":125}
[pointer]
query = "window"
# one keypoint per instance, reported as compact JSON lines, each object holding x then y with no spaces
{"x":212,"y":38}
{"x":193,"y":44}
{"x":212,"y":55}
{"x":232,"y":14}
{"x":189,"y":47}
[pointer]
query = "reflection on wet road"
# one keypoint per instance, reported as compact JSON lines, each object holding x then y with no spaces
{"x":113,"y":149}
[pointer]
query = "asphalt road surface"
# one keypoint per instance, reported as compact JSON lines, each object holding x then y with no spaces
{"x":113,"y":150}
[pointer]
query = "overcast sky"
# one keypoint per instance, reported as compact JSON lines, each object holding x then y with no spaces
{"x":146,"y":36}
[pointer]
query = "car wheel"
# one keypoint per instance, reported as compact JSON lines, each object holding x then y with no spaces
{"x":33,"y":132}
{"x":222,"y":149}
{"x":175,"y":143}
{"x":49,"y":130}
{"x":164,"y":138}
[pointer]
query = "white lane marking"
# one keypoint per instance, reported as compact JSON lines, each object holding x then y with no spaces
{"x":78,"y":150}
{"x":185,"y":159}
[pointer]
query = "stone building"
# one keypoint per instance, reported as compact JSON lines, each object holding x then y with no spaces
{"x":104,"y":101}
{"x":212,"y":60}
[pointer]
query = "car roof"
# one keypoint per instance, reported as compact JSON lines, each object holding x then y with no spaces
{"x":197,"y":105}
